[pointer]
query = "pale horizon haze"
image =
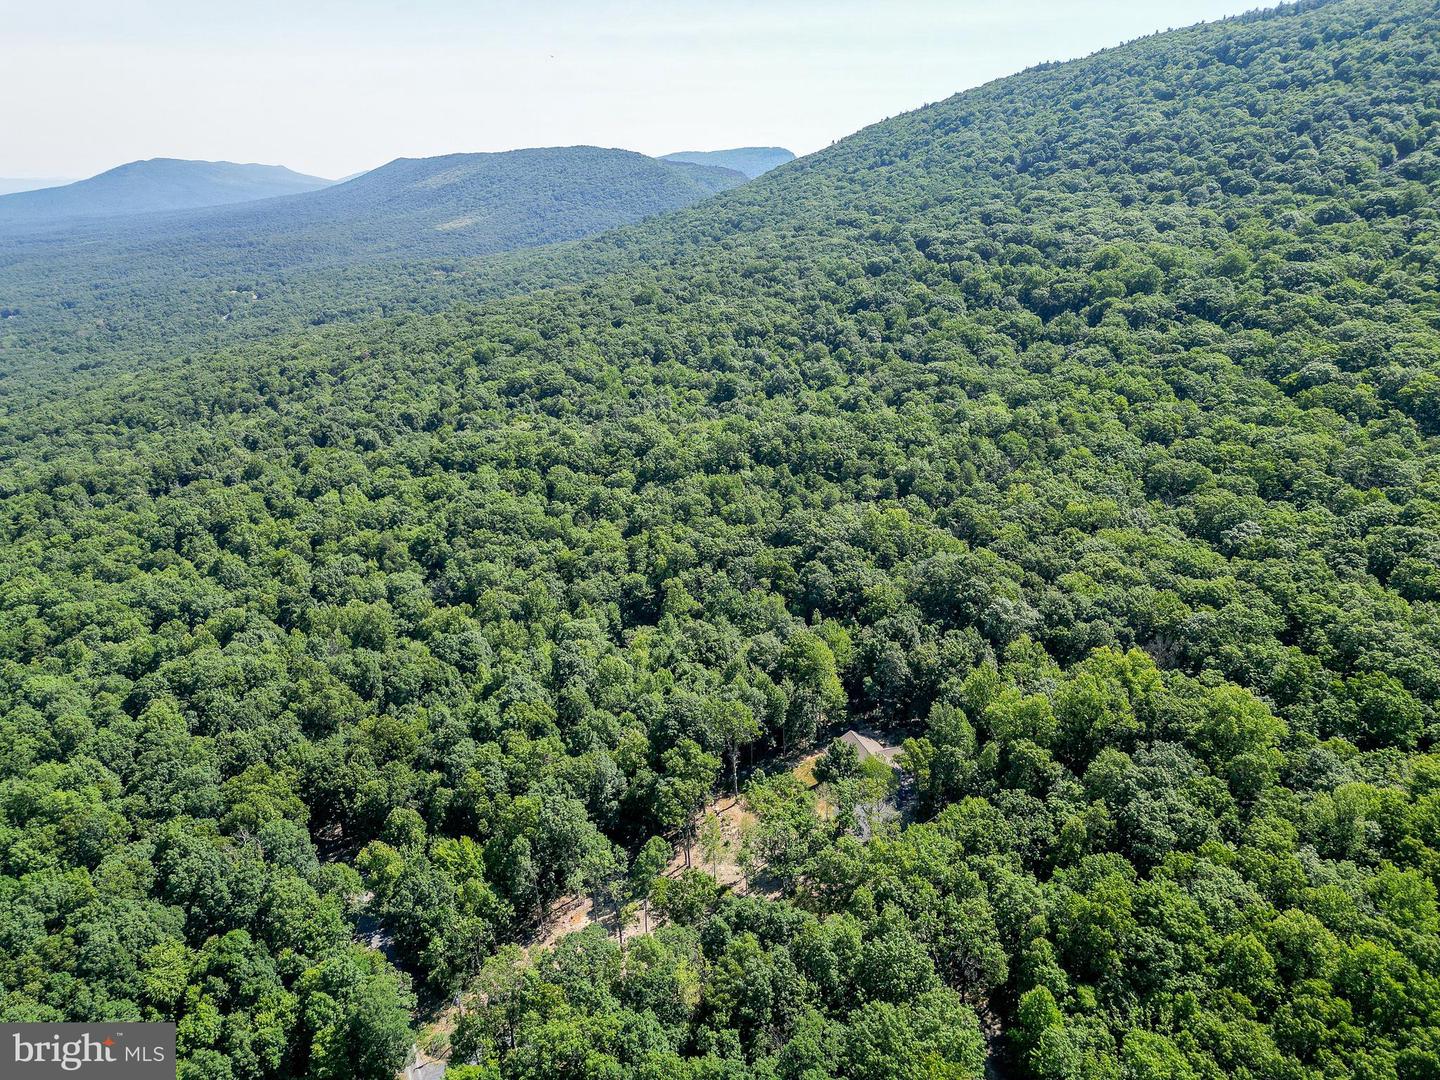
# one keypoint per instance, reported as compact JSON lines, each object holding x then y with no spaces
{"x":332,"y":88}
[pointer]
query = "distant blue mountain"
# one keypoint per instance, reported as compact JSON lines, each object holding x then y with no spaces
{"x":9,"y":185}
{"x":157,"y":184}
{"x":750,"y":160}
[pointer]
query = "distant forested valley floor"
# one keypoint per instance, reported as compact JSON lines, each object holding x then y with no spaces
{"x":1076,"y":439}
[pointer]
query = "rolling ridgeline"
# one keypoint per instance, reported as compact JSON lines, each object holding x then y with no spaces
{"x":1079,"y":430}
{"x":153,"y":186}
{"x":106,"y":292}
{"x":750,"y":160}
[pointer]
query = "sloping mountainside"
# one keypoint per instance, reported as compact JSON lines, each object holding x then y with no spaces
{"x":750,"y":160}
{"x":144,"y":187}
{"x":104,"y":289}
{"x":9,"y":185}
{"x":1078,"y":433}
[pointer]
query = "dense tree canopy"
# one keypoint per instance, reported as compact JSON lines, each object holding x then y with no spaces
{"x":1079,"y":431}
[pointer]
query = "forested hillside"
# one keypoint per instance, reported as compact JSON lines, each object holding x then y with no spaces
{"x":100,"y":292}
{"x":145,"y":187}
{"x":1079,"y":432}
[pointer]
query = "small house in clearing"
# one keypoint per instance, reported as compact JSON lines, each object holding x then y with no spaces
{"x":867,"y":748}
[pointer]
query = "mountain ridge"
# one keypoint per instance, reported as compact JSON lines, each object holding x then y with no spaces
{"x":753,"y":161}
{"x":153,"y":185}
{"x":454,"y":206}
{"x":11,"y":185}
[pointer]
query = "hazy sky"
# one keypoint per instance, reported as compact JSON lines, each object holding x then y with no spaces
{"x":334,"y":86}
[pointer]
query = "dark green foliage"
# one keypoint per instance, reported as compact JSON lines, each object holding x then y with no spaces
{"x":841,"y":761}
{"x":1079,"y":431}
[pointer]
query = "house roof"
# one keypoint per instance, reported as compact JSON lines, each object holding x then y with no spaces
{"x":864,"y":746}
